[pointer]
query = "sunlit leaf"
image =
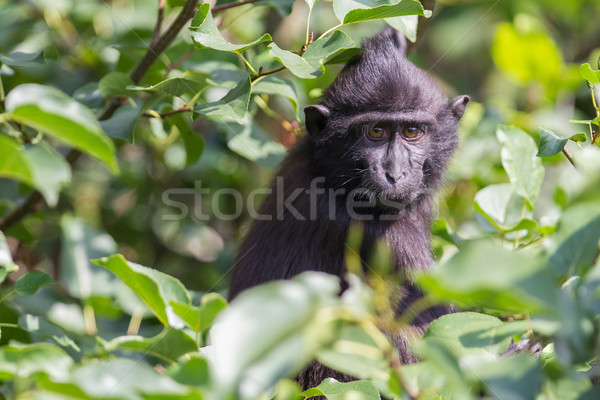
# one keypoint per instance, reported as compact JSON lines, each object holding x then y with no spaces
{"x":503,"y":208}
{"x":551,"y":142}
{"x":406,"y":24}
{"x":589,"y":74}
{"x":271,"y":332}
{"x":334,"y":390}
{"x":155,"y":288}
{"x":51,"y":111}
{"x":320,"y":52}
{"x":352,"y":11}
{"x":527,"y":53}
{"x":206,"y":34}
{"x":38,"y":166}
{"x":7,"y":265}
{"x":31,"y":282}
{"x":201,"y":318}
{"x":488,"y":276}
{"x":21,"y":361}
{"x":462,"y":333}
{"x":520,"y":161}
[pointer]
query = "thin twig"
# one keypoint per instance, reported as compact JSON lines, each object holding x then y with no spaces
{"x":262,"y":73}
{"x":569,"y":156}
{"x":167,"y":113}
{"x":30,"y":204}
{"x":227,"y":6}
{"x":159,"y":20}
{"x":178,"y":62}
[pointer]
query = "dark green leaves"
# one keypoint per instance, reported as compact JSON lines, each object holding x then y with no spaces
{"x":51,"y":111}
{"x":552,"y":142}
{"x":231,"y":107}
{"x":31,"y":282}
{"x":206,"y":34}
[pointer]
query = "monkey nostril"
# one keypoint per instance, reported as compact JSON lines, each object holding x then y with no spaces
{"x":391,"y":180}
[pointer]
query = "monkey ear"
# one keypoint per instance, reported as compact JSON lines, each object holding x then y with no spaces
{"x":458,"y":105}
{"x":316,"y":118}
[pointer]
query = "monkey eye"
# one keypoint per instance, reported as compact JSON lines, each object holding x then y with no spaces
{"x":411,"y":132}
{"x":377,"y":132}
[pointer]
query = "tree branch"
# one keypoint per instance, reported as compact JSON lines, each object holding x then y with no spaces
{"x":569,"y":156}
{"x":155,"y":49}
{"x":227,"y":6}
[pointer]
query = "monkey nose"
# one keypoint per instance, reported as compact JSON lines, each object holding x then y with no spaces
{"x":391,"y":179}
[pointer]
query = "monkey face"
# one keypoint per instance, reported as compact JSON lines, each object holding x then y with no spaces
{"x":392,"y":155}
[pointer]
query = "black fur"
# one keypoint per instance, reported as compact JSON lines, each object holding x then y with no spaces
{"x":378,"y":87}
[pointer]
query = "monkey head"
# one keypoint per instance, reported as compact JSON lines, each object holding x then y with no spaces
{"x":383,"y":124}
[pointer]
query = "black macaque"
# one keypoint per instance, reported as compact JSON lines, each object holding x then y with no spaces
{"x":376,"y":150}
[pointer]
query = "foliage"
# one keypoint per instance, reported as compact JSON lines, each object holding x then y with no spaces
{"x":116,"y":119}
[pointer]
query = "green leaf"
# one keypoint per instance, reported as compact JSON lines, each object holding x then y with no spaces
{"x":334,"y":390}
{"x":117,"y":379}
{"x":587,"y":73}
{"x":551,"y":142}
{"x":518,"y":377}
{"x":172,"y":87}
{"x":251,"y":142}
{"x":192,"y":371}
{"x":502,"y":207}
{"x":22,"y":361}
{"x":233,"y":106}
{"x":115,"y":84}
{"x":297,"y":65}
{"x":31,"y":282}
{"x":580,"y":137}
{"x":353,"y":11}
{"x":201,"y":318}
{"x":407,"y":25}
{"x":575,"y":243}
{"x":485,"y":275}
{"x":38,"y":166}
{"x":168,"y":345}
{"x":272,"y":331}
{"x":526,"y":53}
{"x":319,"y":53}
{"x":81,"y":242}
{"x":154,"y":288}
{"x":461,"y":332}
{"x":19,"y":59}
{"x":193,"y":142}
{"x":7,"y":265}
{"x":355,"y":353}
{"x":520,"y":161}
{"x":51,"y":111}
{"x":122,"y":123}
{"x":274,"y":85}
{"x":206,"y":34}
